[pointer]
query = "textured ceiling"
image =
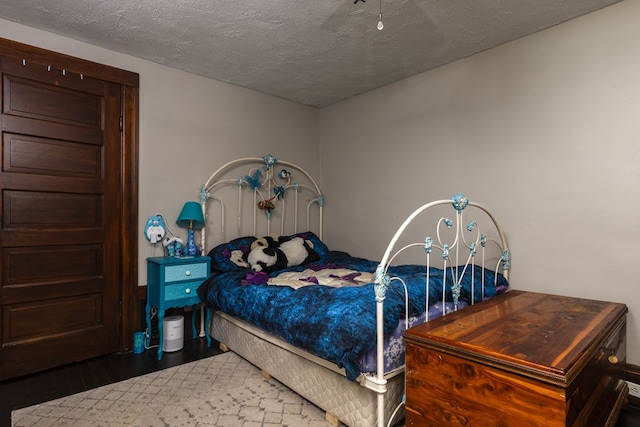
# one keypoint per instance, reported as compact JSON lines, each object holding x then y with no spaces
{"x":315,"y":52}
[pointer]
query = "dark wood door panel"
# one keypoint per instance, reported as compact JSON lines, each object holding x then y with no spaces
{"x":50,"y":350}
{"x":41,"y":320}
{"x":42,"y":291}
{"x":31,"y":218}
{"x":35,"y":210}
{"x":32,"y":155}
{"x":42,"y":101}
{"x":20,"y":238}
{"x":53,"y":130}
{"x":50,"y":183}
{"x":51,"y":264}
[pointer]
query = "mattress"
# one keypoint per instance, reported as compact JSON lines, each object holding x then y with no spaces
{"x":336,"y":324}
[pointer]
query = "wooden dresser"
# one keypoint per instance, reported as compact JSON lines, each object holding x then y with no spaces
{"x":519,"y":359}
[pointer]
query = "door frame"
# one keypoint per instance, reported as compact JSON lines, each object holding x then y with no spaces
{"x":129,"y":83}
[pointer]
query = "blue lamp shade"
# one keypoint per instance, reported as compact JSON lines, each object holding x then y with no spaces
{"x":191,"y":216}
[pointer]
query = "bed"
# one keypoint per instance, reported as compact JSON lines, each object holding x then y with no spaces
{"x":330,"y":327}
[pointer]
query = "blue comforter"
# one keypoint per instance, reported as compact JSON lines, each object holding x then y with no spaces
{"x":336,"y":324}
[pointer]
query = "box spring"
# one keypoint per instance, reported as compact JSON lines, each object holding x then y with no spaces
{"x":315,"y":379}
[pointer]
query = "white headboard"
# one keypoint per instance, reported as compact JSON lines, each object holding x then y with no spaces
{"x":258,"y":196}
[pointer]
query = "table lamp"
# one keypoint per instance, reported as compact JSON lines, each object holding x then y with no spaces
{"x":191,"y":218}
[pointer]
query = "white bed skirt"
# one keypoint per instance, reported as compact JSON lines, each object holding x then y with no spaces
{"x":315,"y":379}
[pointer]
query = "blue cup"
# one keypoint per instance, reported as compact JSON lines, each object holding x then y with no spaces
{"x":138,"y":342}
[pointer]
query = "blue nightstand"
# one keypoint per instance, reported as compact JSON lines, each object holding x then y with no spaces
{"x":173,"y":283}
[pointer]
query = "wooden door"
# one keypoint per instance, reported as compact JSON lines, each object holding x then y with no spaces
{"x":61,"y":217}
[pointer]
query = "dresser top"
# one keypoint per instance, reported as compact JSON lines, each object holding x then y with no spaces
{"x":546,"y":335}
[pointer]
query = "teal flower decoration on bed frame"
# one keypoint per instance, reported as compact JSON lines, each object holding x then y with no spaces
{"x":428,"y":244}
{"x":269,"y":161}
{"x":460,"y":201}
{"x":506,"y":259}
{"x":472,"y":248}
{"x":254,"y":180}
{"x":381,"y":281}
{"x":279,"y":191}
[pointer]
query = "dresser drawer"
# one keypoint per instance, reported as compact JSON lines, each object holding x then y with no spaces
{"x":178,"y":273}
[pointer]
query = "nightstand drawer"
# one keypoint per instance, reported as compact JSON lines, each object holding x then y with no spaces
{"x":181,"y":290}
{"x":177,"y":273}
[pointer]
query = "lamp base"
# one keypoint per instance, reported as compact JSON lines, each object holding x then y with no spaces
{"x":190,"y":248}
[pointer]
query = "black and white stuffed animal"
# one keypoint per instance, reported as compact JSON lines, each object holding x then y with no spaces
{"x":290,"y":253}
{"x":270,"y":241}
{"x":298,"y":251}
{"x":266,"y":259}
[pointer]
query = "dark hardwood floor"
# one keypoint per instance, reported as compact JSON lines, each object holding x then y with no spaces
{"x":630,"y":417}
{"x":78,"y":377}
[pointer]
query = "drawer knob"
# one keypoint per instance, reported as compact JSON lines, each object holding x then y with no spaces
{"x":189,"y":291}
{"x":188,"y":273}
{"x":613,"y":359}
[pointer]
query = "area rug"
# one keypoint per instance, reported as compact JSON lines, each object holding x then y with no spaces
{"x":222,"y":390}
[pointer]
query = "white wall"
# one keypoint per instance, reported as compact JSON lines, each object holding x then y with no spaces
{"x":544,"y":131}
{"x":189,"y":126}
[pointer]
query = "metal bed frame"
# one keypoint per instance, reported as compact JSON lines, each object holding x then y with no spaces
{"x":282,"y":196}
